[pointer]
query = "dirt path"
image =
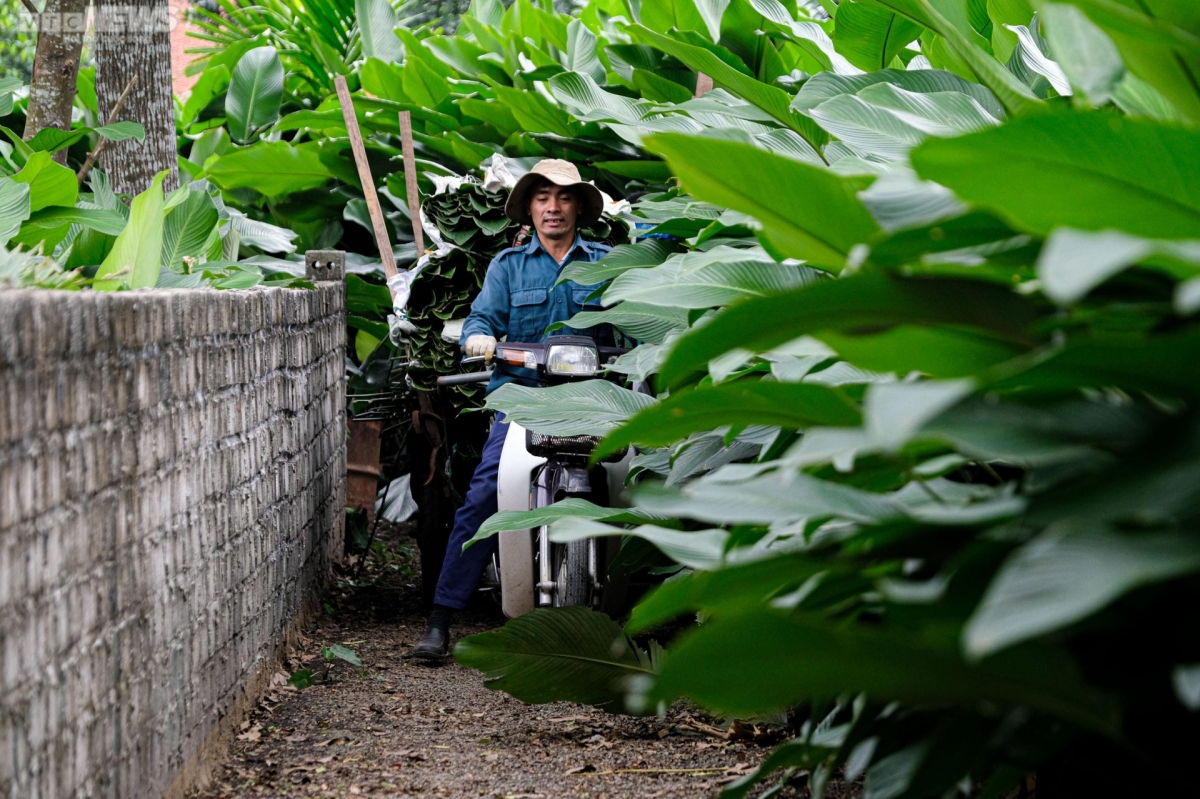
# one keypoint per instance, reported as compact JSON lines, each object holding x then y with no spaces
{"x":395,"y":728}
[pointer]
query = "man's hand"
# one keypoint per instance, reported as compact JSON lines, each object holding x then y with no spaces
{"x":480,"y":345}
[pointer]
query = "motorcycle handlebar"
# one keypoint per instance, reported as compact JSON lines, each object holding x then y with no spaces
{"x":462,"y":380}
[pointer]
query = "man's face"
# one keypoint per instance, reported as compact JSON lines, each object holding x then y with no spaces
{"x":554,"y":210}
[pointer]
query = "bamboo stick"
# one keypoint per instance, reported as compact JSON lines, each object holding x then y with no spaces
{"x":364,"y":175}
{"x":410,"y":180}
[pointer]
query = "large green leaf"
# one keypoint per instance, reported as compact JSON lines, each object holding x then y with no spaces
{"x":705,"y":279}
{"x":734,"y":587}
{"x":50,"y":226}
{"x":592,"y":407}
{"x":779,"y":497}
{"x":1159,"y":42}
{"x":807,"y":212}
{"x":1089,"y":171}
{"x":825,"y":85}
{"x":695,"y":549}
{"x":136,"y":256}
{"x":53,"y":139}
{"x":1134,"y":363}
{"x":187,"y":228}
{"x":376,"y":26}
{"x":581,"y":51}
{"x":664,"y":15}
{"x":555,"y":655}
{"x":950,"y":19}
{"x":272,"y":168}
{"x":773,"y":100}
{"x":870,"y":37}
{"x":587,"y":101}
{"x":885,"y":121}
{"x":619,"y":260}
{"x":255,"y":93}
{"x":798,"y":659}
{"x":857,"y":302}
{"x":14,"y":208}
{"x":789,"y":405}
{"x":569,"y":508}
{"x":650,"y":323}
{"x":1067,"y":574}
{"x":1073,"y":262}
{"x":49,"y":183}
{"x":1087,"y":56}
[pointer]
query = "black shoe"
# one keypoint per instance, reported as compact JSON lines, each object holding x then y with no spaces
{"x":435,"y":643}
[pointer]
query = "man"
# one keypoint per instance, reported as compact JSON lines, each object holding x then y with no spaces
{"x":519,"y":300}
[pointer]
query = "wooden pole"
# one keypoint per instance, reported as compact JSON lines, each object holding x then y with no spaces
{"x":410,"y":180}
{"x":364,"y":175}
{"x":704,"y":84}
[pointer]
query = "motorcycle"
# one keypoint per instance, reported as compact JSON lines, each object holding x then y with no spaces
{"x":537,"y":470}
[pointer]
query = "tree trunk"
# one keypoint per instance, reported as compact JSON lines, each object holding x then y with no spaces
{"x":134,"y":37}
{"x":55,"y":65}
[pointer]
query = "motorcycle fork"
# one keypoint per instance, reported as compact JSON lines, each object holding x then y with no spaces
{"x":556,"y":481}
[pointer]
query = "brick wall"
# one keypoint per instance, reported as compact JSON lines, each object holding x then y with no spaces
{"x":171,"y":489}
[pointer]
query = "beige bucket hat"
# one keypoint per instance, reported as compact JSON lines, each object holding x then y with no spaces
{"x":560,"y":173}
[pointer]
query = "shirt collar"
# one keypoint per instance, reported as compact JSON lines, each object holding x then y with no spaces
{"x":535,"y":244}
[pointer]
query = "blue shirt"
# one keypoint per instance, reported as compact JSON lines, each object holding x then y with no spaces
{"x":519,"y":300}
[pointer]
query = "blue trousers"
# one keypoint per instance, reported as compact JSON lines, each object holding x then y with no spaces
{"x":461,"y":570}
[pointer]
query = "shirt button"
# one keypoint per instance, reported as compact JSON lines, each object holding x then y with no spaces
{"x":560,"y":299}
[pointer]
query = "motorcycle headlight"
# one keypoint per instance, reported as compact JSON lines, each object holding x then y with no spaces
{"x":572,"y":359}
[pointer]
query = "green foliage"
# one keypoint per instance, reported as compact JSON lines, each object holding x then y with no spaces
{"x":924,"y":338}
{"x":938,"y":501}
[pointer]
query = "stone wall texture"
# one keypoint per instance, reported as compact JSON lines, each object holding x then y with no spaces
{"x":172,"y":469}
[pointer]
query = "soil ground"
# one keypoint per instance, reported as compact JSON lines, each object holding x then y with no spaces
{"x":397,"y":728}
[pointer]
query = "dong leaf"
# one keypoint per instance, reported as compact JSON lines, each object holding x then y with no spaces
{"x":859,"y":301}
{"x":779,"y":497}
{"x":14,"y":208}
{"x":870,"y":37}
{"x":592,"y":407}
{"x":272,"y":168}
{"x":824,"y":85}
{"x":186,"y":229}
{"x":797,"y":659}
{"x":49,"y":183}
{"x":1159,"y":43}
{"x":50,"y":226}
{"x":1087,"y":56}
{"x":255,"y":93}
{"x":695,"y":549}
{"x":1067,"y":574}
{"x":705,"y":279}
{"x":807,"y":212}
{"x":886,"y":121}
{"x":619,"y":260}
{"x":750,"y":402}
{"x":1089,"y":171}
{"x":581,"y":51}
{"x":556,"y":654}
{"x":949,"y":19}
{"x":773,"y":100}
{"x":376,"y":26}
{"x":569,"y":508}
{"x":650,"y":323}
{"x":136,"y":255}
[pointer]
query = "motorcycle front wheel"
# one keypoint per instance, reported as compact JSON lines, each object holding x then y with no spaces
{"x":573,"y":581}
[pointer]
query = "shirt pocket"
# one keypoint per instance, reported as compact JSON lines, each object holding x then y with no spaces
{"x":524,"y":297}
{"x":528,"y":313}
